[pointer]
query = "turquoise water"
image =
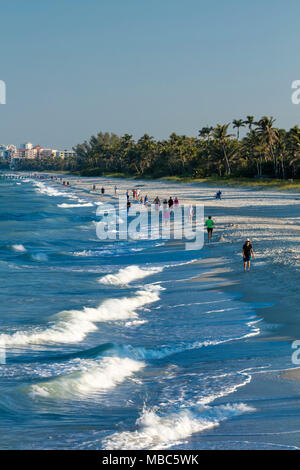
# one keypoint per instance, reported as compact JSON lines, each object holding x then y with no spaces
{"x":110,"y":345}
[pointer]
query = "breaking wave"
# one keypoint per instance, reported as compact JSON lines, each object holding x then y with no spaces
{"x":155,"y":431}
{"x":74,"y":325}
{"x":94,"y":377}
{"x":129,"y":274}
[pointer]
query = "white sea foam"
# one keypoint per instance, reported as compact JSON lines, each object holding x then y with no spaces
{"x":156,"y":431}
{"x":181,"y":263}
{"x":128,"y":324}
{"x":129,"y":274}
{"x":19,"y":248}
{"x":95,"y":376}
{"x":69,"y":206}
{"x":74,"y":325}
{"x":246,"y":379}
{"x":92,"y":253}
{"x":50,"y":191}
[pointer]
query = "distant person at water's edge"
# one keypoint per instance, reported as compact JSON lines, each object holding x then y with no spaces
{"x":247,"y":252}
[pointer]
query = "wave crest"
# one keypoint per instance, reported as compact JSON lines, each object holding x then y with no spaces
{"x":129,"y":274}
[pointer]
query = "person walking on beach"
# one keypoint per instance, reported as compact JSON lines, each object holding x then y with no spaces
{"x":157,"y":203}
{"x":166,"y":211}
{"x":170,"y":203}
{"x":116,"y":189}
{"x":209,"y":225}
{"x":102,"y":191}
{"x":191,"y":213}
{"x":247,"y":252}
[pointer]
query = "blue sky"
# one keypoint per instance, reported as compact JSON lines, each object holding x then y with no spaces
{"x":75,"y":67}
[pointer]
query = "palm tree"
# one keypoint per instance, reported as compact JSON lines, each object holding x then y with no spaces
{"x":249,"y":122}
{"x":237,"y":123}
{"x":269,"y":136}
{"x":253,"y":149}
{"x":144,"y":154}
{"x":205,"y":132}
{"x":281,"y":148}
{"x":293,"y":147}
{"x":221,"y":136}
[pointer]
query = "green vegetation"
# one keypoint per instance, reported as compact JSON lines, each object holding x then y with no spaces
{"x":258,"y":183}
{"x":266,"y":155}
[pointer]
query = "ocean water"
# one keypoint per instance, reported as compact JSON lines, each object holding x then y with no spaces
{"x":110,"y":345}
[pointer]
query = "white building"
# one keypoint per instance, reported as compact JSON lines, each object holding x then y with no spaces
{"x":65,"y":153}
{"x":26,"y":146}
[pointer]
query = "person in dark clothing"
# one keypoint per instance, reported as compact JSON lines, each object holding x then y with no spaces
{"x":247,"y":252}
{"x":170,"y":203}
{"x":102,"y":191}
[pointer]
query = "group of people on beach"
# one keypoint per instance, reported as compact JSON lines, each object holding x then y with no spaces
{"x":171,"y":204}
{"x":102,"y":190}
{"x":61,"y":180}
{"x":167,"y":205}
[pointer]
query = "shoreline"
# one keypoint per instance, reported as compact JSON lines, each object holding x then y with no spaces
{"x":250,"y":183}
{"x":233,"y":278}
{"x":255,"y":184}
{"x":226,"y":270}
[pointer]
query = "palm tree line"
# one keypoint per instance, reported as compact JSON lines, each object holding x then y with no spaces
{"x":263,"y":151}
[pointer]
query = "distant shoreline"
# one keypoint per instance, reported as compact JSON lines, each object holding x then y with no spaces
{"x":255,"y":183}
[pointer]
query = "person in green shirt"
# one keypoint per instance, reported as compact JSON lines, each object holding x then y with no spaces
{"x":209,"y":225}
